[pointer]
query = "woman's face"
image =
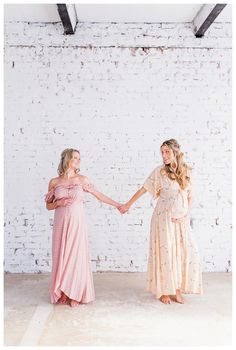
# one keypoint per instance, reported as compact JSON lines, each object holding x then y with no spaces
{"x":167,"y":154}
{"x":74,"y":163}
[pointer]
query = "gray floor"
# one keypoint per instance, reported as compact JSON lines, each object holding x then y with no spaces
{"x":123,"y":314}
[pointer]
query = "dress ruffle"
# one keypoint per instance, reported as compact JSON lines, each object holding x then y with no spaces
{"x":49,"y":196}
{"x":89,"y":187}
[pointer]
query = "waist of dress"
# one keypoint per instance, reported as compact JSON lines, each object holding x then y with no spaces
{"x":166,"y":200}
{"x":170,"y":201}
{"x":173,"y":195}
{"x":77,"y":202}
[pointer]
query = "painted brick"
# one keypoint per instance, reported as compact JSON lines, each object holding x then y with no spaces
{"x":115,"y":91}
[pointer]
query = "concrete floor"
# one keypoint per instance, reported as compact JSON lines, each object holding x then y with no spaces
{"x":122,"y":314}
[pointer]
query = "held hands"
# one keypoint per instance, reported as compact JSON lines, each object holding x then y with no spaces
{"x":123,"y":208}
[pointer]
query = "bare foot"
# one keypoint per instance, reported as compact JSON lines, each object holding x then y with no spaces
{"x":74,"y":303}
{"x":63,"y":299}
{"x":178,"y":297}
{"x":165,"y":299}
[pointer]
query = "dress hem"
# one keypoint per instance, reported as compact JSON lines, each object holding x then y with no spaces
{"x":55,"y":298}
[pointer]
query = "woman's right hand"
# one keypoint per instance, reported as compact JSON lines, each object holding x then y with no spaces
{"x":64,"y":202}
{"x":124,"y":208}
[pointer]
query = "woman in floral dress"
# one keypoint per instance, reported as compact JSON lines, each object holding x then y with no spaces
{"x":173,"y":263}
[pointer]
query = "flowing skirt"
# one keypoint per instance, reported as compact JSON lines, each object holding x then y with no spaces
{"x":71,"y":262}
{"x":173,"y":261}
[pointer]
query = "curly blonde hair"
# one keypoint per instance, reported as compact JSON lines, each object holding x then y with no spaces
{"x":66,"y":156}
{"x":181,"y":171}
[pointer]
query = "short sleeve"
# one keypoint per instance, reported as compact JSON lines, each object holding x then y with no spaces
{"x":48,"y":197}
{"x":153,"y":183}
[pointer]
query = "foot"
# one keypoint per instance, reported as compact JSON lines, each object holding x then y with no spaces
{"x":63,"y":299}
{"x":165,"y":299}
{"x":178,"y":297}
{"x":74,"y":303}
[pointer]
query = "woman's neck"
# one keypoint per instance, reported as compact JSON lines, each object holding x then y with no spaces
{"x":69,"y":174}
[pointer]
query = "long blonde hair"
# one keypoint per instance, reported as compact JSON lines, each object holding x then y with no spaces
{"x":180,"y":174}
{"x":66,"y":156}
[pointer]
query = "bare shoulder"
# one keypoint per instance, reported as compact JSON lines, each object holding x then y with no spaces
{"x":82,"y":179}
{"x":53,"y":182}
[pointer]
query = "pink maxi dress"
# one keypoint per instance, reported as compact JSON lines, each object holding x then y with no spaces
{"x":71,"y":261}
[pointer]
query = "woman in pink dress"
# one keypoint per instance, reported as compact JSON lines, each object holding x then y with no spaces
{"x":72,"y":280}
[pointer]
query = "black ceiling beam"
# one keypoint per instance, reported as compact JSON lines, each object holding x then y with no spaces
{"x":201,"y":28}
{"x":66,"y":18}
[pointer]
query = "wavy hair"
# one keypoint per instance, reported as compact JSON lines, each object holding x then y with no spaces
{"x":66,"y":156}
{"x":181,"y":171}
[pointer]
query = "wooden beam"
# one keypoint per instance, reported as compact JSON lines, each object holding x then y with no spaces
{"x":68,"y":17}
{"x":205,"y":17}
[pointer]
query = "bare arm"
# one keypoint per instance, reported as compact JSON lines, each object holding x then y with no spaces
{"x":51,"y":206}
{"x":99,"y":195}
{"x":103,"y":198}
{"x":59,"y":203}
{"x":125,"y":207}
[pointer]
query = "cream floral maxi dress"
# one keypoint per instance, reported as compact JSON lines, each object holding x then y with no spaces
{"x":173,"y":261}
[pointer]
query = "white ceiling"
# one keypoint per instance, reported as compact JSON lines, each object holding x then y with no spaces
{"x":137,"y":13}
{"x":111,"y":13}
{"x":31,"y":13}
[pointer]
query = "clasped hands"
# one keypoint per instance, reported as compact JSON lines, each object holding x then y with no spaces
{"x":123,"y":208}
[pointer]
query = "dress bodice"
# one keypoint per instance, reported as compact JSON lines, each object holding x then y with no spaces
{"x":170,"y":196}
{"x":173,"y":198}
{"x":74,"y":191}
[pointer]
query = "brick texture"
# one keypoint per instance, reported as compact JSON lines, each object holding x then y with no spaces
{"x":116,"y":92}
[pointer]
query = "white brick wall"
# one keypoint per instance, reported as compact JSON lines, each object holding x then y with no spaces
{"x":115,"y":91}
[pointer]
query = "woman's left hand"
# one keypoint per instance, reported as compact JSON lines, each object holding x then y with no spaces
{"x":124,"y":208}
